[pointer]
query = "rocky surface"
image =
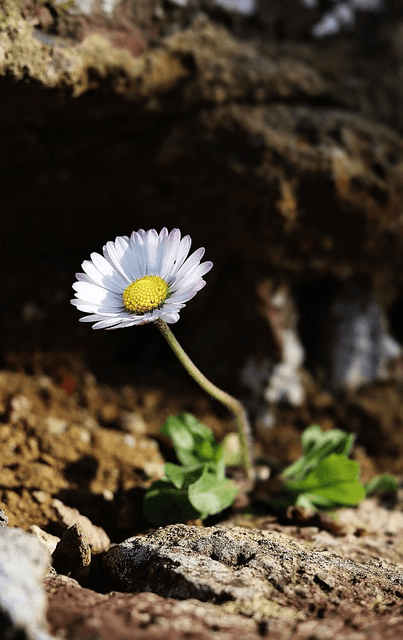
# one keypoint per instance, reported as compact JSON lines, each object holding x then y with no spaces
{"x":306,"y":584}
{"x":147,"y":615}
{"x":267,"y":155}
{"x":226,"y":565}
{"x":133,"y":616}
{"x":23,"y":565}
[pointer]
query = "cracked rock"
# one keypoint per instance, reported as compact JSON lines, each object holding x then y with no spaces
{"x":221,"y":565}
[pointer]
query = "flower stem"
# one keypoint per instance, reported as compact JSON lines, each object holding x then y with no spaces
{"x":237,"y":408}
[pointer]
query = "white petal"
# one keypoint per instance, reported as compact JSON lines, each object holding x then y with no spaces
{"x":94,"y":317}
{"x":82,"y":277}
{"x":95,"y":308}
{"x":139,"y":253}
{"x":113,"y":254}
{"x":162,"y":238}
{"x":108,"y":322}
{"x":106,"y":268}
{"x":191,"y":277}
{"x":112,"y":282}
{"x":188,"y":293}
{"x":170,"y":318}
{"x":128,"y":259}
{"x":95,"y":294}
{"x":190,"y":262}
{"x":183,"y":252}
{"x":152,"y":243}
{"x":169,"y":253}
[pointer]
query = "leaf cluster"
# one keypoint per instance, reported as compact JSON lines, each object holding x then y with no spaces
{"x":195,"y":488}
{"x":324,"y":476}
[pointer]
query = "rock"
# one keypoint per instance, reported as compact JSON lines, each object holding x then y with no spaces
{"x":3,"y":519}
{"x":186,"y":562}
{"x":287,"y":141}
{"x":72,"y":556}
{"x":49,"y":541}
{"x":81,"y":612}
{"x":23,"y":564}
{"x":96,"y":536}
{"x":296,"y":588}
{"x":251,"y":569}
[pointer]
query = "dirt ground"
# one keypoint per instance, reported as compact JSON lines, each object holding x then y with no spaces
{"x":97,"y":448}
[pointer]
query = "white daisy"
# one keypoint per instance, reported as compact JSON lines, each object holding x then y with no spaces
{"x":139,"y":279}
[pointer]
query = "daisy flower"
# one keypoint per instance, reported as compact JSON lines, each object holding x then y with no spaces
{"x":140,"y":279}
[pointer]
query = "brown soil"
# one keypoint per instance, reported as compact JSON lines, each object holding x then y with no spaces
{"x":91,"y":446}
{"x":97,"y":447}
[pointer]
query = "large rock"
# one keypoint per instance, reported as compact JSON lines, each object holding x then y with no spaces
{"x":313,"y":585}
{"x":255,"y":150}
{"x":81,"y":612}
{"x":251,"y":570}
{"x":146,"y":616}
{"x":23,"y":564}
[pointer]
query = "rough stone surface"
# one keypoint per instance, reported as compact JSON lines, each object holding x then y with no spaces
{"x":255,"y":149}
{"x":47,"y":539}
{"x":98,"y":540}
{"x":23,"y":564}
{"x":245,"y":567}
{"x":72,"y":556}
{"x":83,"y":613}
{"x":145,"y":616}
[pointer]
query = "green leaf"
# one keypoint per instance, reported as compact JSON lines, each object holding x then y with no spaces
{"x":193,"y":441}
{"x":219,"y":468}
{"x":218,"y":455}
{"x":175,"y":473}
{"x":381,"y":484}
{"x":196,"y":428}
{"x":311,"y":438}
{"x":317,"y":445}
{"x":204,"y":450}
{"x":195,"y":488}
{"x":210,"y":495}
{"x":335,"y":479}
{"x":164,"y":504}
{"x":177,"y":431}
{"x":182,"y":477}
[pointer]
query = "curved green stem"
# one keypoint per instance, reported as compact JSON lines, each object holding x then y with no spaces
{"x":245,"y":437}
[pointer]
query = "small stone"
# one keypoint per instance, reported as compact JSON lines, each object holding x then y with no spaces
{"x":40,"y":496}
{"x":55,"y":425}
{"x":72,"y":556}
{"x":3,"y":519}
{"x":96,"y":536}
{"x":133,"y":423}
{"x":49,"y":541}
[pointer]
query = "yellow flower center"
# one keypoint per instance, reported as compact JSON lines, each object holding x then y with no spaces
{"x":145,"y":294}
